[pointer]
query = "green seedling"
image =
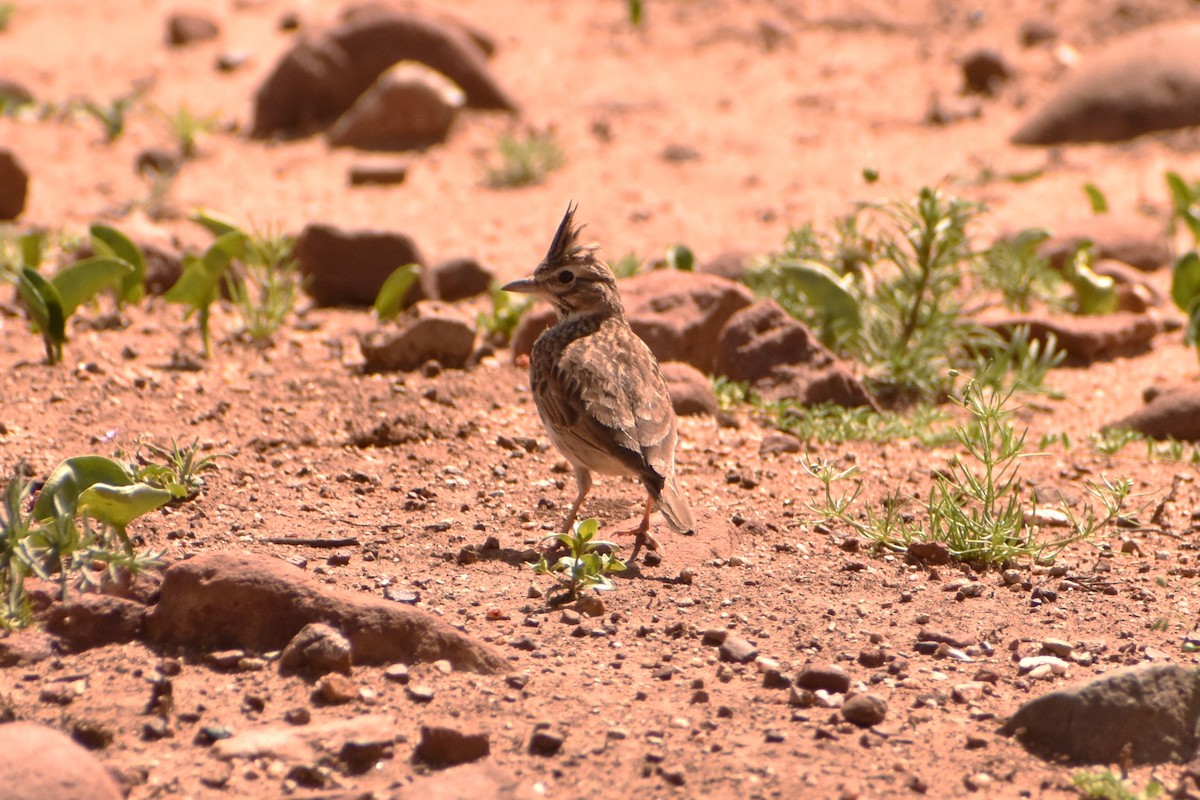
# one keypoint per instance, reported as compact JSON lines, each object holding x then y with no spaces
{"x":680,"y":257}
{"x":264,"y":291}
{"x":110,"y":243}
{"x":500,"y":325}
{"x":176,"y":469}
{"x":1185,"y":292}
{"x":627,"y":266}
{"x":524,"y":161}
{"x":187,"y":128}
{"x":200,"y":284}
{"x":390,"y":300}
{"x":1096,"y":198}
{"x":636,"y":10}
{"x":1023,"y":277}
{"x":16,"y":526}
{"x":51,"y":302}
{"x":111,"y":115}
{"x":1094,"y":294}
{"x":6,"y":15}
{"x":587,"y":564}
{"x":1108,"y":785}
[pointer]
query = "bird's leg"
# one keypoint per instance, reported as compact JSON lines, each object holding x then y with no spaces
{"x":641,"y":533}
{"x":583,"y":482}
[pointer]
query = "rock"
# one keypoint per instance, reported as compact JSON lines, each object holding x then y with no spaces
{"x":23,"y":648}
{"x":737,"y":650}
{"x":829,"y":677}
{"x":470,"y":782}
{"x":446,"y":746}
{"x":1146,"y":81}
{"x":778,"y":355}
{"x":680,"y":315}
{"x":222,"y":600}
{"x":13,"y":94}
{"x":335,"y":689}
{"x":1130,"y":284}
{"x":864,"y":710}
{"x":457,"y":279}
{"x":304,"y":743}
{"x":429,"y":331}
{"x":691,"y":391}
{"x":349,"y":267}
{"x":409,"y":107}
{"x":1085,"y":339}
{"x":316,"y":81}
{"x":545,"y":743}
{"x":531,"y":326}
{"x":1034,"y":32}
{"x":1148,"y":712}
{"x":94,"y":620}
{"x":778,"y":443}
{"x":189,"y":27}
{"x":316,"y":650}
{"x":1137,"y":241}
{"x":984,"y":71}
{"x":378,"y":174}
{"x":731,"y":265}
{"x":1174,"y":413}
{"x":40,"y":763}
{"x":14,"y":186}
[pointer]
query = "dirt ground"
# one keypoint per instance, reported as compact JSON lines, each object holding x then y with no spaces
{"x":785,"y":104}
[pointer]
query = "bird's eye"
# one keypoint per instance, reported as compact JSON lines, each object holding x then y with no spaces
{"x":566,"y":276}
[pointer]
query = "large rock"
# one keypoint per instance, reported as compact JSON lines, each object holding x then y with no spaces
{"x":349,"y":267}
{"x":94,"y":620}
{"x":457,"y":279}
{"x":14,"y":186}
{"x":429,"y":331}
{"x":1147,"y":81}
{"x":1150,"y":712}
{"x":304,"y":744}
{"x":1086,"y":339}
{"x":40,"y":763}
{"x":321,"y":77}
{"x":680,"y":314}
{"x":778,"y":355}
{"x":409,"y":107}
{"x":224,"y":600}
{"x":691,"y":391}
{"x":1171,"y":414}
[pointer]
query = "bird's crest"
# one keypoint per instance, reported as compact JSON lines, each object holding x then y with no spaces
{"x":565,"y":246}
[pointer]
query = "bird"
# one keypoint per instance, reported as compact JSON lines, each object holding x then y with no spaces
{"x":598,"y":388}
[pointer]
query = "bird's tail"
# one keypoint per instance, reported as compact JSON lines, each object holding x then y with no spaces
{"x":674,"y":508}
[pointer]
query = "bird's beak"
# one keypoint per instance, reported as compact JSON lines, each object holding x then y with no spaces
{"x":524,"y":286}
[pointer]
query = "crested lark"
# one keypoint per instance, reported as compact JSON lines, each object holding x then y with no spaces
{"x":598,"y":388}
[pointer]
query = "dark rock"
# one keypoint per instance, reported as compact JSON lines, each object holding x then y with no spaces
{"x":446,"y":746}
{"x":187,"y":27}
{"x":409,"y":107}
{"x":94,"y":620}
{"x":316,"y":81}
{"x":737,"y":650}
{"x":777,"y":443}
{"x":1147,"y":81}
{"x":430,"y":330}
{"x":1034,"y":32}
{"x":457,"y":279}
{"x":378,"y":174}
{"x":157,"y":161}
{"x":1147,"y":714}
{"x":350,"y":267}
{"x":531,"y":326}
{"x":864,"y":710}
{"x":1086,"y":339}
{"x":1174,"y":413}
{"x":316,"y":650}
{"x":39,"y":763}
{"x":14,"y":186}
{"x":984,"y":71}
{"x":691,"y":390}
{"x":545,"y":743}
{"x":829,"y":677}
{"x":778,"y":355}
{"x":222,"y":600}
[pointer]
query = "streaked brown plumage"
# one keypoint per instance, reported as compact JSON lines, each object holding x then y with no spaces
{"x":597,"y":386}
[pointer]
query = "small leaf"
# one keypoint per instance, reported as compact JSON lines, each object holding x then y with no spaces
{"x":46,"y":310}
{"x":1185,"y":280}
{"x":83,"y":280}
{"x":1094,"y":294}
{"x":1096,"y":198}
{"x":390,"y":300}
{"x":110,"y":241}
{"x":870,"y":175}
{"x":120,"y":505}
{"x":60,"y":494}
{"x":1192,"y":332}
{"x":1183,"y":198}
{"x":824,"y":290}
{"x":217,"y":224}
{"x":587,"y":528}
{"x":636,"y":12}
{"x":681,"y":258}
{"x":32,"y":246}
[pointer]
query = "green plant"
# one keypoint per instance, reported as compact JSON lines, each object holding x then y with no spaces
{"x":636,"y":10}
{"x":200,"y":283}
{"x":977,"y":506}
{"x":1094,"y":294}
{"x":499,"y":325}
{"x":178,"y":469}
{"x":1096,"y":198}
{"x":1014,"y":268}
{"x":1108,"y":785}
{"x":6,"y":14}
{"x":111,"y":115}
{"x":187,"y":127}
{"x":627,"y":266}
{"x":1018,"y":364}
{"x":680,"y":257}
{"x":264,"y":290}
{"x":1185,"y":276}
{"x":390,"y":300}
{"x":524,"y":160}
{"x":587,"y":563}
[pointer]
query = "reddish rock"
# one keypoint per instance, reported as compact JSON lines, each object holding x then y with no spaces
{"x":189,"y":27}
{"x":22,"y":648}
{"x":691,"y":390}
{"x":446,"y":745}
{"x":409,"y":107}
{"x":1086,"y":339}
{"x":14,"y":186}
{"x":1134,"y":240}
{"x":316,"y":81}
{"x":778,"y":355}
{"x":94,"y":620}
{"x":680,"y":314}
{"x":318,"y":649}
{"x":731,"y":264}
{"x":222,"y":600}
{"x":457,"y":279}
{"x":1174,"y":413}
{"x":1146,"y":81}
{"x":829,"y":677}
{"x":39,"y":763}
{"x":984,"y":71}
{"x":350,"y":267}
{"x":471,"y":782}
{"x":429,"y":331}
{"x":531,"y":326}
